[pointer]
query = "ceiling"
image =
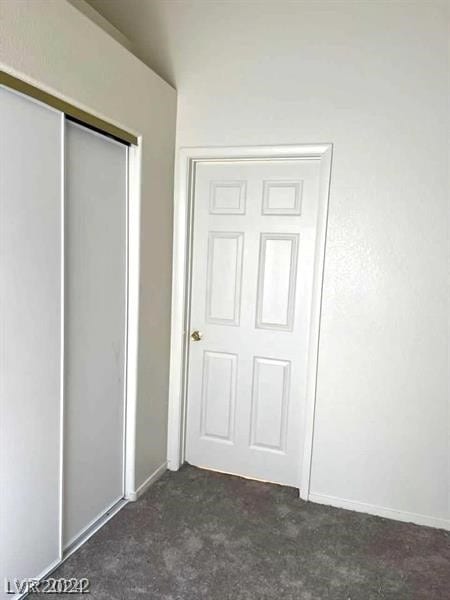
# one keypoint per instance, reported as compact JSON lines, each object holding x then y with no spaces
{"x":149,"y":24}
{"x":183,"y":39}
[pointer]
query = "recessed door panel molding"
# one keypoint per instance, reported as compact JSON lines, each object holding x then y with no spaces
{"x":224,"y":273}
{"x":277,"y":281}
{"x":31,"y":204}
{"x":227,"y":197}
{"x":282,"y":198}
{"x":270,"y":397}
{"x":218,"y":395}
{"x":247,"y":384}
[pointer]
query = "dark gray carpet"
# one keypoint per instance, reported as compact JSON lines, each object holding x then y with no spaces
{"x":198,"y":535}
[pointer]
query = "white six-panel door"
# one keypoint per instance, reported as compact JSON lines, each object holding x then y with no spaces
{"x":254,"y":229}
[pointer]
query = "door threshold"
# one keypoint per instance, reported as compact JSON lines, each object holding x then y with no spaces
{"x":241,"y":476}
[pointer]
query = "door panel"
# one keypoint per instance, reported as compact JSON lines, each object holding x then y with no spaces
{"x":276,"y":281}
{"x":252,"y":271}
{"x":95,"y":295}
{"x":270,"y":396}
{"x":30,"y":330}
{"x":218,"y":395}
{"x":224,"y":272}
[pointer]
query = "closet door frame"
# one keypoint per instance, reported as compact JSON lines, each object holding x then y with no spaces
{"x":132,"y":269}
{"x":132,"y":275}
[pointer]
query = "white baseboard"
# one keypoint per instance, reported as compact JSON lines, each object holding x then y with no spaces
{"x":133,"y":496}
{"x":381,"y":511}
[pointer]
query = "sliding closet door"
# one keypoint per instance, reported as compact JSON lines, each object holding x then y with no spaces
{"x":95,"y":307}
{"x":30,"y":336}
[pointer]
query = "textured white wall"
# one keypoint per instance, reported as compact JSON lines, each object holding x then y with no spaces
{"x":53,"y":45}
{"x":371,"y":77}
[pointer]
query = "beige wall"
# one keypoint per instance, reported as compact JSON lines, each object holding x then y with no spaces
{"x":53,"y":45}
{"x":371,"y":77}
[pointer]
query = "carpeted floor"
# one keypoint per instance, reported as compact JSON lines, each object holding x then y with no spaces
{"x":197,"y":535}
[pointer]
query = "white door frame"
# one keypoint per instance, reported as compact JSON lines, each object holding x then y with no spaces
{"x":187,"y":160}
{"x":133,"y":234}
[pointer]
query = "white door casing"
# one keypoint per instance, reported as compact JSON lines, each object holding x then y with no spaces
{"x":262,"y":438}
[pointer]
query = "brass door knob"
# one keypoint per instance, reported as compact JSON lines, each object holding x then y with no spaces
{"x":196,"y":336}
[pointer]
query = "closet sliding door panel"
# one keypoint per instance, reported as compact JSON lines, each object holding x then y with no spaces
{"x":95,"y":307}
{"x":30,"y":336}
